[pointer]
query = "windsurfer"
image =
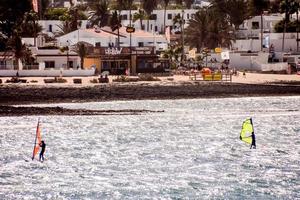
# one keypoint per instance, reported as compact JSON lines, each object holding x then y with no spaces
{"x":43,"y":146}
{"x":253,"y":144}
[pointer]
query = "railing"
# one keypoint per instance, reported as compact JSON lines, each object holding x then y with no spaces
{"x":211,"y":77}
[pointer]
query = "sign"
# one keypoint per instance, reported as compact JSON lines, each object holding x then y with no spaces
{"x":225,"y":55}
{"x":130,"y":29}
{"x":192,"y":53}
{"x":218,"y":50}
{"x":113,"y":51}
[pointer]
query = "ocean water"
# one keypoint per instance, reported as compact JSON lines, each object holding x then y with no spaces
{"x":190,"y":151}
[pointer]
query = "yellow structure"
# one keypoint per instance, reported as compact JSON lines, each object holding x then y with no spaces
{"x":212,"y":77}
{"x":89,"y":62}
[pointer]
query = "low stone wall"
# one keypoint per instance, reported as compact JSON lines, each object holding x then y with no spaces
{"x":47,"y":73}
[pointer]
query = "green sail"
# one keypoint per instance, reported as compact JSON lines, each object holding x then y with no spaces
{"x":247,"y":130}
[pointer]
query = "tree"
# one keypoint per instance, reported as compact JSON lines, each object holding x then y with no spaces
{"x":115,"y":24}
{"x":140,"y":15}
{"x":100,"y":14}
{"x":15,"y":43}
{"x":81,"y":49}
{"x":237,"y":11}
{"x":289,"y":7}
{"x":70,"y":20}
{"x":11,"y":15}
{"x":178,"y":19}
{"x":30,"y":27}
{"x":257,"y":7}
{"x":44,"y":7}
{"x":149,"y":6}
{"x":173,"y":53}
{"x":208,"y":29}
{"x":166,"y":3}
{"x":187,"y":3}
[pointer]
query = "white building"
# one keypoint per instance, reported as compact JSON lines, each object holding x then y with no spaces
{"x":51,"y":27}
{"x":249,"y":35}
{"x":105,"y":38}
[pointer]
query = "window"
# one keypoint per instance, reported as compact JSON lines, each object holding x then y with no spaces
{"x":188,"y":16}
{"x":105,"y":65}
{"x":153,"y":17}
{"x":143,"y":27}
{"x":124,"y":17}
{"x":49,"y":64}
{"x":50,"y":28}
{"x":169,"y":16}
{"x":141,"y":44}
{"x":255,"y":25}
{"x":151,"y":27}
{"x":2,"y":64}
{"x":155,"y":28}
{"x":71,"y":64}
{"x":98,"y":44}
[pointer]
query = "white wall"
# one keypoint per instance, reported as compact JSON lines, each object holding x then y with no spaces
{"x":47,"y":73}
{"x":252,"y":62}
{"x":159,"y":22}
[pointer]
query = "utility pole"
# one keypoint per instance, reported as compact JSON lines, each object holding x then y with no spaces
{"x":182,"y":35}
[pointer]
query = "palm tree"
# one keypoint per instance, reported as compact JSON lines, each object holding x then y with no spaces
{"x":166,"y":3}
{"x":100,"y":13}
{"x":81,"y":49}
{"x":289,"y":7}
{"x":257,"y":7}
{"x":208,"y":29}
{"x":115,"y":24}
{"x":197,"y":32}
{"x":149,"y":6}
{"x":297,"y":7}
{"x":173,"y":53}
{"x":15,"y":43}
{"x":237,"y":10}
{"x":140,"y":15}
{"x":30,"y":27}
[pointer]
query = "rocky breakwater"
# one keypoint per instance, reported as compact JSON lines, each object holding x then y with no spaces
{"x":133,"y":91}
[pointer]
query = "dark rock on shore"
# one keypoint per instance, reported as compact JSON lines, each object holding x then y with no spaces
{"x":20,"y":111}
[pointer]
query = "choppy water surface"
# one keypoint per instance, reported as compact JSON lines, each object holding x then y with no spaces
{"x":190,"y":151}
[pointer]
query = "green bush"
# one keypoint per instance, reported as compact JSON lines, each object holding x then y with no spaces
{"x":291,"y":27}
{"x":55,"y":13}
{"x":94,"y":80}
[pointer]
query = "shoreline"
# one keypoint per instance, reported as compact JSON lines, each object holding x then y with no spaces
{"x":34,"y":94}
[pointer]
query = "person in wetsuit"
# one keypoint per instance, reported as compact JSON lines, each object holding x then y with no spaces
{"x":253,"y":144}
{"x":43,"y":146}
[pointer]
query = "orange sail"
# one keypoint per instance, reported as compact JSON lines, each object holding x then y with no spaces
{"x":37,"y":141}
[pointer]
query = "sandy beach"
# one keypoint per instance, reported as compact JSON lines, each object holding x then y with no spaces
{"x":171,"y":87}
{"x":250,"y":78}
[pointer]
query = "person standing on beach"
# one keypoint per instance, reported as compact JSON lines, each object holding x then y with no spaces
{"x":43,"y":146}
{"x":244,"y":73}
{"x":253,"y":144}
